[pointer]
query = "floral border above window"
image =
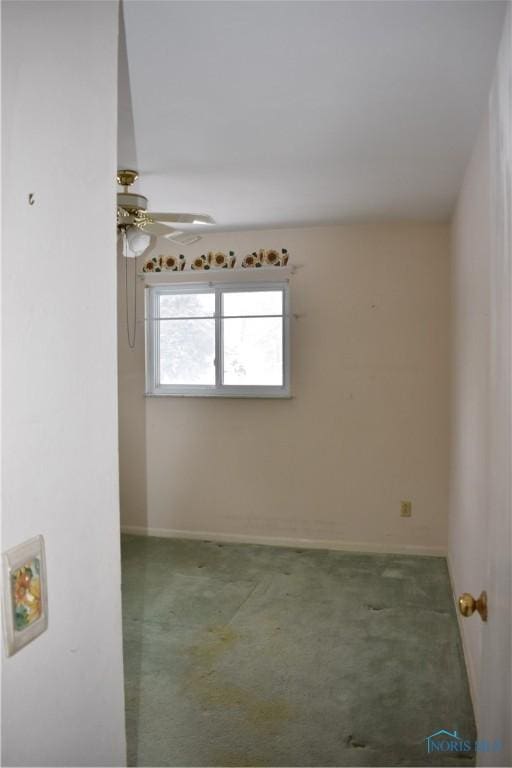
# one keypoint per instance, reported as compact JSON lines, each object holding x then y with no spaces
{"x":217,"y":260}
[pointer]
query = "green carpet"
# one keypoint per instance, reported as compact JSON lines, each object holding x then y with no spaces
{"x":242,"y":655}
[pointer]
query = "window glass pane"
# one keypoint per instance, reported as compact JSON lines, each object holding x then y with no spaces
{"x":253,"y":351}
{"x":253,"y":303}
{"x":187,"y":352}
{"x":187,"y":305}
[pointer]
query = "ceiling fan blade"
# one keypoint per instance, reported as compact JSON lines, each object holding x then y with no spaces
{"x":183,"y":239}
{"x":154,"y":228}
{"x":183,"y":218}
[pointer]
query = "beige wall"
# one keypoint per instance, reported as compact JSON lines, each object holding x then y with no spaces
{"x":367,"y":424}
{"x":132,"y":405}
{"x":469,"y":455}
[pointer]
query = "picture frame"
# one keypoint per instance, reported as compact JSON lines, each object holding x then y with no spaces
{"x":25,"y":594}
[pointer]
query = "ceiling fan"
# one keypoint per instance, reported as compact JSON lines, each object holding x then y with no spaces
{"x":133,"y":216}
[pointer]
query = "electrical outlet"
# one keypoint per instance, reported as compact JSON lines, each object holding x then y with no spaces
{"x":405,"y":508}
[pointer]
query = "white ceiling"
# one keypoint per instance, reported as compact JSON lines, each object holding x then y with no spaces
{"x":284,"y":113}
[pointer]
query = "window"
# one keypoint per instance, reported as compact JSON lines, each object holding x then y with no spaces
{"x":218,"y":340}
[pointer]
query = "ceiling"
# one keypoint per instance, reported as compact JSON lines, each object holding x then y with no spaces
{"x":291,"y":113}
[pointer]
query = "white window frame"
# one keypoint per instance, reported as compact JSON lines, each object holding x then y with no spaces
{"x":153,"y":386}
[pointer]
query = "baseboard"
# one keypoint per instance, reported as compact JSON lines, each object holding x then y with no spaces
{"x":468,"y":659}
{"x":278,"y":541}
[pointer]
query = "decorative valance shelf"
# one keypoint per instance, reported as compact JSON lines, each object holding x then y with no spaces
{"x":258,"y":275}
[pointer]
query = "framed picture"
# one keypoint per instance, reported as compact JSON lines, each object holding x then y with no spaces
{"x":25,"y":598}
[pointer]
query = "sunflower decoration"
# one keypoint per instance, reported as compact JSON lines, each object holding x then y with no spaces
{"x":263,"y":258}
{"x":153,"y":265}
{"x":252,"y":260}
{"x":220,"y":260}
{"x":173,"y":263}
{"x":201,"y":262}
{"x":273,"y":258}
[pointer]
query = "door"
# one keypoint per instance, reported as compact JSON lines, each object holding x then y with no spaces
{"x":496,"y":670}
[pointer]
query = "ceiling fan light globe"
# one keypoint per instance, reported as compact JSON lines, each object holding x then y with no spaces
{"x":138,"y":242}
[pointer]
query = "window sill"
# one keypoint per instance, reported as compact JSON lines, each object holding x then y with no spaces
{"x":222,"y":395}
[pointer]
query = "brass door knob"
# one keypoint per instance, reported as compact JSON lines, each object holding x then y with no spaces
{"x":468,"y":605}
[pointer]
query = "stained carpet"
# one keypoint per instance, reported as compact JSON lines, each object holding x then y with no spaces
{"x":241,"y":655}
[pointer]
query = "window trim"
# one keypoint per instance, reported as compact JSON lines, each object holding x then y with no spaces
{"x":153,"y":386}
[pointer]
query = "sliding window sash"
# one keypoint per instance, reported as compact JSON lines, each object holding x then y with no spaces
{"x":155,"y":388}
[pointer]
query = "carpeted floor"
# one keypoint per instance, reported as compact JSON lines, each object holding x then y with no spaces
{"x":241,"y":655}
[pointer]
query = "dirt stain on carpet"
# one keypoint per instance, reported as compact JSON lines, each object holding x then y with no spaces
{"x":207,"y":685}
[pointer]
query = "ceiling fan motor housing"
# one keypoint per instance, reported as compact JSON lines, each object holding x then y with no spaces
{"x":132,"y":202}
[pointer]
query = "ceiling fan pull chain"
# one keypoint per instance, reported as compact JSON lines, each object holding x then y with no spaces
{"x":131,"y":342}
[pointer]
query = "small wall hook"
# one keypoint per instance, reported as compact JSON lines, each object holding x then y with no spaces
{"x":31,"y":199}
